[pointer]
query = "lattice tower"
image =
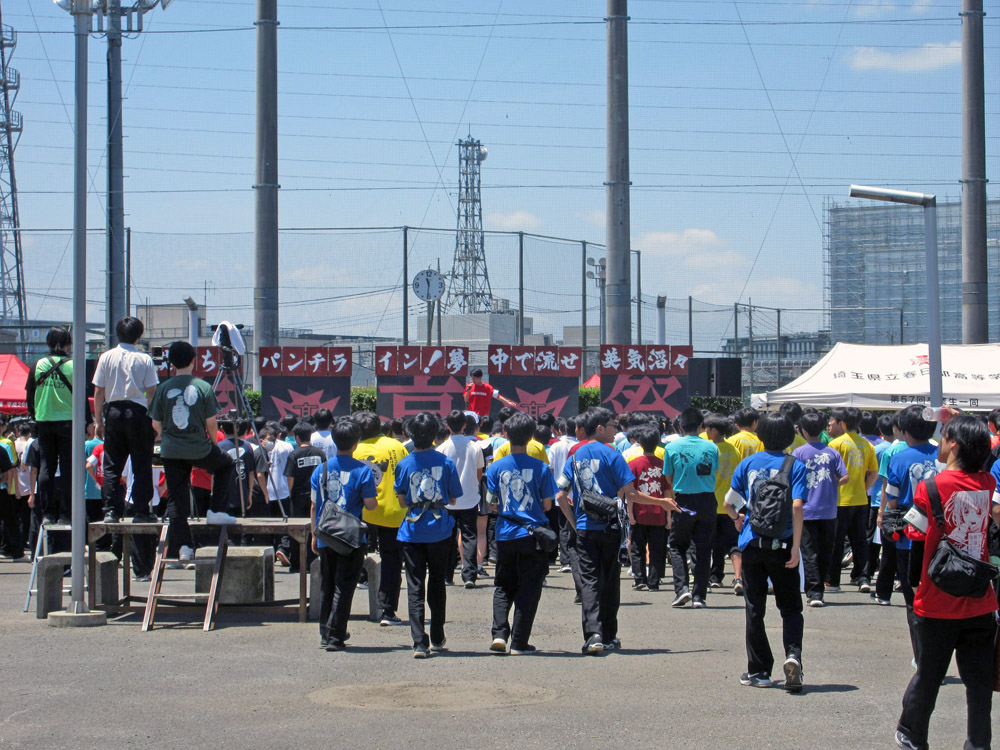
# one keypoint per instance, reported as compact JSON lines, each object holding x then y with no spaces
{"x":469,"y":288}
{"x":11,"y":125}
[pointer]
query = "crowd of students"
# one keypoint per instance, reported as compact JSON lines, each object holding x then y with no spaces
{"x":451,"y":494}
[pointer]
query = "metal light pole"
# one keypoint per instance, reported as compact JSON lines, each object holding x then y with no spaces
{"x":265,"y":298}
{"x":638,"y":296}
{"x":929,"y":203}
{"x":600,"y":277}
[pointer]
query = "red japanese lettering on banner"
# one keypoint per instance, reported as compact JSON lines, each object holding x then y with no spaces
{"x":409,"y":360}
{"x":547,"y":360}
{"x":570,"y":361}
{"x":647,"y":393}
{"x":522,"y":360}
{"x":634,"y":359}
{"x":612,"y":362}
{"x":386,"y":360}
{"x":457,"y":360}
{"x":432,"y":360}
{"x":421,"y":396}
{"x":293,"y":360}
{"x":269,"y":360}
{"x":500,"y":360}
{"x":679,"y":358}
{"x":339,"y":361}
{"x":208,"y":360}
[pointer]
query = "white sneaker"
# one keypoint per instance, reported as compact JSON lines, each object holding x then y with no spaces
{"x":219,"y":519}
{"x":174,"y":565}
{"x":565,"y":569}
{"x":185,"y":554}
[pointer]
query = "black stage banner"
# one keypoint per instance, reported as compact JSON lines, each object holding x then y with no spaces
{"x":536,"y":395}
{"x":294,"y":394}
{"x":403,"y":395}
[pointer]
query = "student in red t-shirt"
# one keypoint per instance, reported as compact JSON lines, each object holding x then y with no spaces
{"x":945,"y":624}
{"x":479,"y":395}
{"x":649,"y":522}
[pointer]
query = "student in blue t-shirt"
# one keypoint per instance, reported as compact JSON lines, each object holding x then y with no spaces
{"x":596,"y":466}
{"x":426,"y":482}
{"x":906,"y":469}
{"x":885,"y":430}
{"x":691,"y":463}
{"x":825,"y":472}
{"x":521,"y":488}
{"x":775,"y":559}
{"x":351,"y":485}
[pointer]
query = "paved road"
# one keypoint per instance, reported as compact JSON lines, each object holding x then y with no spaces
{"x":252,"y":684}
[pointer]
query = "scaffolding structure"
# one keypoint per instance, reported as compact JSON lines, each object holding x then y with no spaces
{"x":11,"y":125}
{"x":875,"y":258}
{"x":469,"y":288}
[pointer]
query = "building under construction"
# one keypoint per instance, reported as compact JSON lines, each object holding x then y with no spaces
{"x":875,"y":272}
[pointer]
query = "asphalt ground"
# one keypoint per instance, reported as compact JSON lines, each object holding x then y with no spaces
{"x":265,"y":683}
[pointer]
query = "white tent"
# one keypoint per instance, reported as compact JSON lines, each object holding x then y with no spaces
{"x":891,"y":377}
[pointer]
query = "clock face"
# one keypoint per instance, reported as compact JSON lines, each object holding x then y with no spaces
{"x":428,"y":285}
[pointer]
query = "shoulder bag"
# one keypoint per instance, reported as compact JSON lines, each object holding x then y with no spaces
{"x":951,"y":569}
{"x":595,"y":505}
{"x":339,"y":530}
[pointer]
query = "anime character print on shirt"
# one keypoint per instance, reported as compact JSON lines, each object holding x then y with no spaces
{"x":919,"y":472}
{"x":967,"y":512}
{"x":378,"y":468}
{"x":183,"y":401}
{"x":514,"y":489}
{"x":335,"y":482}
{"x":585,"y":472}
{"x":426,"y":492}
{"x":754,"y":476}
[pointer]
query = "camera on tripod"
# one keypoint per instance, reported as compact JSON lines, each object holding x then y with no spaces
{"x":228,"y":338}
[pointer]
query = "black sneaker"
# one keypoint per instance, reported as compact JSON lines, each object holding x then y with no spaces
{"x":593,"y":645}
{"x":420,"y":652}
{"x":323,"y":643}
{"x":336,"y":646}
{"x":682,"y":598}
{"x":577,"y":599}
{"x":145,"y":518}
{"x":389,"y":621}
{"x":528,"y":650}
{"x":758,"y":679}
{"x":612,"y":645}
{"x":905,"y":742}
{"x":51,"y":519}
{"x":793,"y":674}
{"x":111,"y":517}
{"x":652,"y":587}
{"x":481,"y":572}
{"x":639,"y":585}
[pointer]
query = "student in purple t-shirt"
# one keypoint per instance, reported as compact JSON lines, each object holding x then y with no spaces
{"x":825,"y":472}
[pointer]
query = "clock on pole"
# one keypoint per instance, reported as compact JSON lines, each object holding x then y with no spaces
{"x":428,"y":285}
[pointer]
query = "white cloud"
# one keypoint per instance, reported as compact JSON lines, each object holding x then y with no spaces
{"x":684,"y":244}
{"x":516,"y":221}
{"x":931,"y":56}
{"x":596,"y":218}
{"x":880,"y":8}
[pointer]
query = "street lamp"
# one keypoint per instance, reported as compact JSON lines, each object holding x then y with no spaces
{"x":929,"y":203}
{"x":600,"y":277}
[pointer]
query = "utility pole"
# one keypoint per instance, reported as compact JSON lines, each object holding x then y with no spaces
{"x":619,"y":283}
{"x":975,"y":302}
{"x":265,"y":298}
{"x":115,"y":259}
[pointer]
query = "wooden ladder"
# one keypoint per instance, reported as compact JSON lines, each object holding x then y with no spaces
{"x":210,"y":600}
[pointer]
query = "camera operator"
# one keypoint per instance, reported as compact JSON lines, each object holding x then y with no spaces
{"x":124,"y":383}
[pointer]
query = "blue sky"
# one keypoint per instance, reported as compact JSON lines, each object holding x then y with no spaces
{"x":745,"y":118}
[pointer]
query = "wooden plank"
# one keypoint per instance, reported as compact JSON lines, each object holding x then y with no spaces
{"x":155,"y":582}
{"x":212,"y":607}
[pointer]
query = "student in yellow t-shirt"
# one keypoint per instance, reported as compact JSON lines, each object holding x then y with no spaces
{"x":746,"y":441}
{"x":852,"y":503}
{"x":794,"y":412}
{"x":717,"y":429}
{"x":535,"y":450}
{"x":382,"y":453}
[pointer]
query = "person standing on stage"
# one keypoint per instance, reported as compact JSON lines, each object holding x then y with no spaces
{"x":479,"y":395}
{"x":124,"y":382}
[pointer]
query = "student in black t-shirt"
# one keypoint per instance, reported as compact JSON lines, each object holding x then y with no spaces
{"x":299,"y":469}
{"x":240,"y":491}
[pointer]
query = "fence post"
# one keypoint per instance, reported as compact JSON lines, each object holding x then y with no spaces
{"x":778,"y":377}
{"x":406,"y":287}
{"x":583,"y":309}
{"x":520,"y":287}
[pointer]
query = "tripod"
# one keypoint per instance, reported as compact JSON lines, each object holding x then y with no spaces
{"x":230,"y":371}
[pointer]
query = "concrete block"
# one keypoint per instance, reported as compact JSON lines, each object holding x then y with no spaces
{"x":373,"y":567}
{"x":248,"y":576}
{"x":315,"y":583}
{"x":107,"y":579}
{"x":49,"y":581}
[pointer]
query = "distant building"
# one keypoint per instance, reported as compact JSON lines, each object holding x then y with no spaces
{"x":875,"y":258}
{"x":798,"y":352}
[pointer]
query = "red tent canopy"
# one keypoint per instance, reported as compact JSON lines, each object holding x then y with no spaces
{"x":594,"y":381}
{"x":13,"y":376}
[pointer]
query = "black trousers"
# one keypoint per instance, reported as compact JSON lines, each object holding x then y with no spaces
{"x":817,"y":554}
{"x":972,"y":641}
{"x":128,"y":433}
{"x":567,"y":542}
{"x":12,"y":533}
{"x":600,"y":581}
{"x":874,"y":550}
{"x":297,"y":507}
{"x":654,"y":540}
{"x":338,"y":581}
{"x":518,"y":583}
{"x":697,"y":529}
{"x":723,"y":546}
{"x":758,"y":566}
{"x":895,"y":562}
{"x":392,"y":568}
{"x":55,"y":450}
{"x":178,"y":475}
{"x":465,"y":522}
{"x":852,"y":523}
{"x":426,"y":565}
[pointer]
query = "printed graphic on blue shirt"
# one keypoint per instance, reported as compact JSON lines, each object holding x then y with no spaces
{"x":520,"y":483}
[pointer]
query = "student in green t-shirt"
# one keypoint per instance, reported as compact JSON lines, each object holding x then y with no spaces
{"x":183,"y":413}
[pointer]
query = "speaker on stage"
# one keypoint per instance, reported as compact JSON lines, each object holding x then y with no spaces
{"x":719,"y":377}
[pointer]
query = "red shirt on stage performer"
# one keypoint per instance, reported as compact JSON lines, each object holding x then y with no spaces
{"x":479,"y":395}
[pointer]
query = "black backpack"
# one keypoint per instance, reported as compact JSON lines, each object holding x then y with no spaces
{"x":772,"y":503}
